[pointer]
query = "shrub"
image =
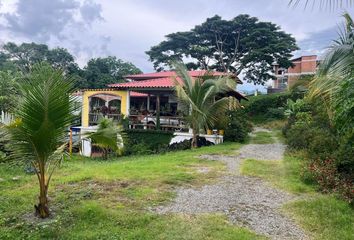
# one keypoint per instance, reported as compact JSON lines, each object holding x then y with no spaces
{"x":323,"y":144}
{"x":275,"y":113}
{"x":298,"y":137}
{"x":238,"y":127}
{"x":329,"y":179}
{"x":345,"y":156}
{"x":141,"y":141}
{"x":260,"y":105}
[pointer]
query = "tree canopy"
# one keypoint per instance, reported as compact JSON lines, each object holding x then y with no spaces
{"x":242,"y":44}
{"x":102,"y":71}
{"x":96,"y":74}
{"x":25,"y":55}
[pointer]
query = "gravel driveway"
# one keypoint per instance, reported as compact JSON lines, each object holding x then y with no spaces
{"x":247,"y":201}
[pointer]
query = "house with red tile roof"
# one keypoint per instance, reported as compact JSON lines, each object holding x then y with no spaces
{"x":142,"y":95}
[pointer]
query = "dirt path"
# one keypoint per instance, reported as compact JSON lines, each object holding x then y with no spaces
{"x":247,"y":201}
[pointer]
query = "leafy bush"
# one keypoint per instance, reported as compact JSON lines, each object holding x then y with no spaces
{"x":141,"y":141}
{"x":345,"y":155}
{"x":329,"y":180}
{"x":275,"y":113}
{"x":323,"y":143}
{"x":329,"y":153}
{"x":260,"y":105}
{"x":298,"y":137}
{"x":238,"y":127}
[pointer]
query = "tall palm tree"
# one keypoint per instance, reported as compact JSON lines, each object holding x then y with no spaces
{"x":198,"y":98}
{"x":108,"y":137}
{"x":336,"y":68}
{"x":38,"y":136}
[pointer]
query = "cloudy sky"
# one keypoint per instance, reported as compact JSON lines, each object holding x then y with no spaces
{"x":127,"y":28}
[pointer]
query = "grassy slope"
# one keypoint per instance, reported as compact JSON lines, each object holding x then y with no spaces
{"x":323,"y":216}
{"x":108,"y":199}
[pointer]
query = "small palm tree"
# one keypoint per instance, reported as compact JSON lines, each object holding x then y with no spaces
{"x":38,"y":136}
{"x":108,"y":137}
{"x":199,"y":100}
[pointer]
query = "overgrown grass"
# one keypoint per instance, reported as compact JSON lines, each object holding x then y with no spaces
{"x":262,"y":138}
{"x":323,"y":216}
{"x":92,"y":199}
{"x":282,"y":174}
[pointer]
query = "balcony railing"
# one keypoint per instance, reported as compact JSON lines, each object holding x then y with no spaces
{"x":149,"y":121}
{"x":94,"y":118}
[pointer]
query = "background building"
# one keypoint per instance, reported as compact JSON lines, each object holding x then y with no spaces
{"x":285,"y":78}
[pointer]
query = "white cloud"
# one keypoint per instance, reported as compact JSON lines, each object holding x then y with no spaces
{"x":128,"y":28}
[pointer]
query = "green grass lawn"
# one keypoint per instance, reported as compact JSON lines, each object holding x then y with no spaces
{"x":322,"y":216}
{"x":92,"y":199}
{"x":262,"y":138}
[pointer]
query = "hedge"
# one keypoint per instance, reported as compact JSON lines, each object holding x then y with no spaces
{"x":145,"y":141}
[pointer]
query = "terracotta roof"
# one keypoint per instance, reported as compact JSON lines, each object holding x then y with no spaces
{"x":167,"y":82}
{"x":165,"y":74}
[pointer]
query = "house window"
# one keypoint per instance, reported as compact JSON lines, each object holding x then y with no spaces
{"x":283,"y":82}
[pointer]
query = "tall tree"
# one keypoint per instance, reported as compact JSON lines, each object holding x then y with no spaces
{"x":242,"y":44}
{"x":26,"y":55}
{"x":200,"y":101}
{"x":102,"y":71}
{"x":9,"y":92}
{"x":38,"y":137}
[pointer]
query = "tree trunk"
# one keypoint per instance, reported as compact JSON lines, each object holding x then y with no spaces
{"x":42,"y":209}
{"x":194,"y":139}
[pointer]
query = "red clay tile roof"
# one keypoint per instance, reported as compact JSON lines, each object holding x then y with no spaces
{"x":165,"y":74}
{"x":167,"y":82}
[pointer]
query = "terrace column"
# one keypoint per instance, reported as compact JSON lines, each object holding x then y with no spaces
{"x":158,"y":111}
{"x":148,"y":103}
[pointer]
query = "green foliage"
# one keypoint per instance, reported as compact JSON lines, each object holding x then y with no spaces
{"x":267,"y":107}
{"x":108,"y":199}
{"x":324,"y":216}
{"x":108,"y":137}
{"x":38,"y":137}
{"x":242,"y":43}
{"x":325,"y":130}
{"x":344,"y":107}
{"x":99,"y":72}
{"x":238,"y":127}
{"x":298,"y":137}
{"x":197,"y":99}
{"x":8,"y":91}
{"x":25,"y":55}
{"x":140,"y":141}
{"x":275,"y":113}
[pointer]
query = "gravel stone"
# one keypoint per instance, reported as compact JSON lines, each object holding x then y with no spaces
{"x":247,"y":201}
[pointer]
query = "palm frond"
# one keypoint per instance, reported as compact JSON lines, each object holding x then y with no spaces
{"x":322,"y":4}
{"x":43,"y":114}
